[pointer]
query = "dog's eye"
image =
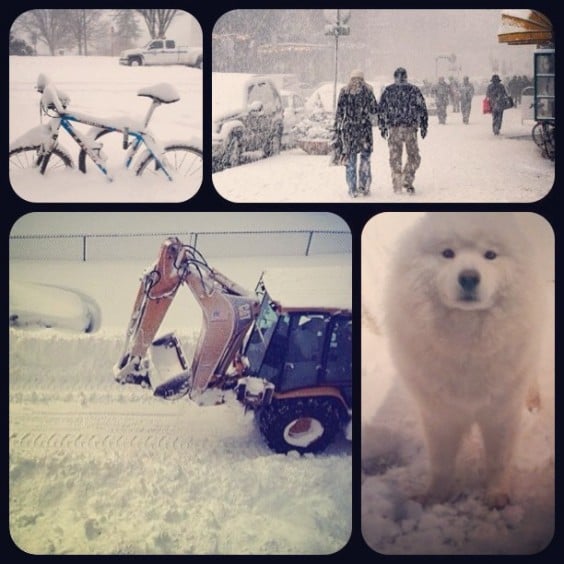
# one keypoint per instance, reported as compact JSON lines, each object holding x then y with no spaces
{"x":448,"y":253}
{"x":490,"y":255}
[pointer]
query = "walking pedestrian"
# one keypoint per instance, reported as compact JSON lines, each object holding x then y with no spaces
{"x":497,"y":96}
{"x":402,"y":111}
{"x":441,"y":92}
{"x":466,"y":95}
{"x":356,"y":107}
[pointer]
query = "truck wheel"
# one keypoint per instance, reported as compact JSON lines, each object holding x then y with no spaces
{"x":304,"y":424}
{"x":135,"y":62}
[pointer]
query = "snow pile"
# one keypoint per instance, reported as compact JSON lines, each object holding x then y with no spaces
{"x":51,"y":306}
{"x":316,"y":126}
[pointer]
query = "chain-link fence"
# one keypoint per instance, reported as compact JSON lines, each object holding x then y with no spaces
{"x":210,"y":244}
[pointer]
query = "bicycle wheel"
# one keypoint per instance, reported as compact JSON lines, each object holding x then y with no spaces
{"x":543,"y":136}
{"x":183,"y":161}
{"x":27,"y":157}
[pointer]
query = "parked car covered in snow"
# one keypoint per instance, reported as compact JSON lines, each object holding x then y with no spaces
{"x":247,"y":116}
{"x":162,"y":52}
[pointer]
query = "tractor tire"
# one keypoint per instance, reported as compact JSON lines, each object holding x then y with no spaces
{"x":306,"y":425}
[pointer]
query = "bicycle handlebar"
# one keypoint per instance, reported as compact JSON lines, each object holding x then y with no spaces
{"x":52,"y":98}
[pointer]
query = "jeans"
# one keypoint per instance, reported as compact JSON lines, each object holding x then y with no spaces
{"x":364,"y":172}
{"x":497,"y":118}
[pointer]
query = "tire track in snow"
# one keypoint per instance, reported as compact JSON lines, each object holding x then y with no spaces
{"x":48,"y":433}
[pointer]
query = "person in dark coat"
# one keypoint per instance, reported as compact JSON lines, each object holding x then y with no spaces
{"x":401,"y":112}
{"x":466,"y":95}
{"x":441,"y":92}
{"x":356,"y":106}
{"x":497,"y":95}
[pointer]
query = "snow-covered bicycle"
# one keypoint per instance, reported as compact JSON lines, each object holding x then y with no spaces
{"x":39,"y":147}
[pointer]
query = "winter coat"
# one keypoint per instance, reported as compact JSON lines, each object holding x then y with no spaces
{"x":402,"y":104}
{"x":496,"y":94}
{"x":466,"y":92}
{"x":353,"y":124}
{"x":441,"y":91}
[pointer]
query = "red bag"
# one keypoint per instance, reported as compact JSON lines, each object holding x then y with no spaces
{"x":486,"y":107}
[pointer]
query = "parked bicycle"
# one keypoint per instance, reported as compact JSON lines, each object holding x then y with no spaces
{"x":40,"y":148}
{"x":544,"y":133}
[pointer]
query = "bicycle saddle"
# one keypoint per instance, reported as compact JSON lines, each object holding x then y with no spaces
{"x":164,"y":93}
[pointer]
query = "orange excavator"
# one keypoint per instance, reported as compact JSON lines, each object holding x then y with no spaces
{"x":291,"y":363}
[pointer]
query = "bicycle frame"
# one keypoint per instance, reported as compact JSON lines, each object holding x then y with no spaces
{"x":93,"y":148}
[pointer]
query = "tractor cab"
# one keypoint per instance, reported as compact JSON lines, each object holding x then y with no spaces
{"x":296,"y":348}
{"x":301,"y":349}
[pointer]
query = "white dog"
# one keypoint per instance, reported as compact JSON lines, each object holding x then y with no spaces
{"x":463,"y":321}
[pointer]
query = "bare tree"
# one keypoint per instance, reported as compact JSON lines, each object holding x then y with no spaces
{"x":47,"y":26}
{"x":85,"y":26}
{"x":158,"y":21}
{"x":124,"y":30}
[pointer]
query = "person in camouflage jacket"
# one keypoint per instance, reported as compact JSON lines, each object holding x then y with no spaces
{"x":356,"y":107}
{"x":401,"y":112}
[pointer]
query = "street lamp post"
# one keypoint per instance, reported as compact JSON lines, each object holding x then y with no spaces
{"x":337,"y":26}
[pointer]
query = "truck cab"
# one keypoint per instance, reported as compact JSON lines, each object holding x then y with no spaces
{"x":162,"y":52}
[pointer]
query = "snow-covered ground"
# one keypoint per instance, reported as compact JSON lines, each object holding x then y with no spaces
{"x":99,"y":468}
{"x":460,"y":163}
{"x":394,"y":461}
{"x":100,"y":87}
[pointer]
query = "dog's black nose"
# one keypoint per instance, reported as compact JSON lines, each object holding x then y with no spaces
{"x":469,"y":280}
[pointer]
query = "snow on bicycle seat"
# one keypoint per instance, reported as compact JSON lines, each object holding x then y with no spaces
{"x":165,"y":93}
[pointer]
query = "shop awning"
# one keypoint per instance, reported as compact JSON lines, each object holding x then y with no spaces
{"x":524,"y":27}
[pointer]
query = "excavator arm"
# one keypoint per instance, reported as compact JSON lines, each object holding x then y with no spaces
{"x":228,"y":311}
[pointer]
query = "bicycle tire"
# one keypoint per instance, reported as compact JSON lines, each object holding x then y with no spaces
{"x":184,"y":161}
{"x":543,"y":136}
{"x":25,"y":157}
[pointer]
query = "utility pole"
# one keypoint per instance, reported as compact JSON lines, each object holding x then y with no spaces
{"x":336,"y":27}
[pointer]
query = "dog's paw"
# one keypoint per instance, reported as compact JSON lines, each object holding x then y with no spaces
{"x":497,"y":499}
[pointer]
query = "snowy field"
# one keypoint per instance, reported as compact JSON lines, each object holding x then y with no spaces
{"x":460,"y":163}
{"x":394,"y":460}
{"x":99,"y":468}
{"x":100,"y":87}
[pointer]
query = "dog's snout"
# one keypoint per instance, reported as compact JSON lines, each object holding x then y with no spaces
{"x":469,"y":280}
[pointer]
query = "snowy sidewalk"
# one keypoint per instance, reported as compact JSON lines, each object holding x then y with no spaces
{"x":460,"y":163}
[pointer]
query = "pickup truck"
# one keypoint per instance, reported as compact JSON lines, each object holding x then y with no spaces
{"x":162,"y":52}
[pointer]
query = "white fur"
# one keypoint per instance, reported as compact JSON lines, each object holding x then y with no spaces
{"x":466,"y":351}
